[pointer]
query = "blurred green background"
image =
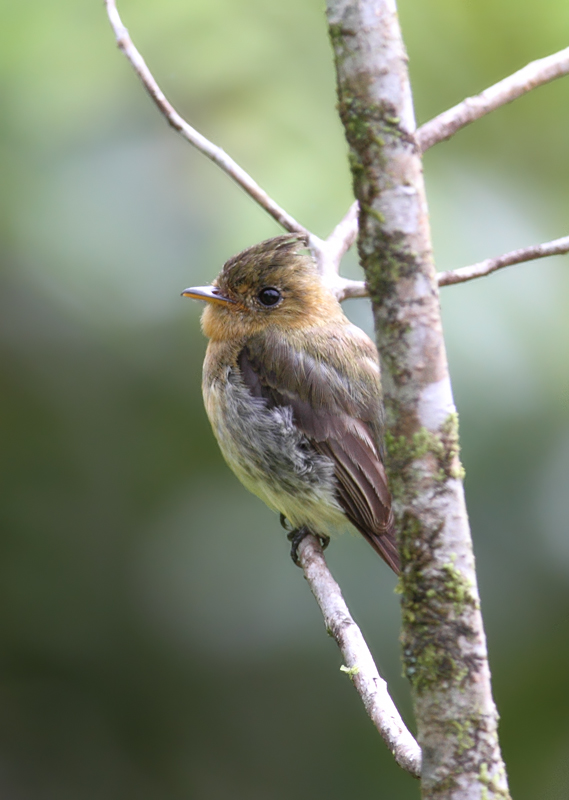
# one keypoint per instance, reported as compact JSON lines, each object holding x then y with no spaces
{"x":156,"y":641}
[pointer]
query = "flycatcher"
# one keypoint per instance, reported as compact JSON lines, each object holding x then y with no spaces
{"x":292,"y":391}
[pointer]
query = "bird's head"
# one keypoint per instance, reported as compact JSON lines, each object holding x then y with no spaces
{"x":272,"y":284}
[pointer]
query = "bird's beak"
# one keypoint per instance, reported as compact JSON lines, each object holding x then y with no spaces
{"x":211,"y":294}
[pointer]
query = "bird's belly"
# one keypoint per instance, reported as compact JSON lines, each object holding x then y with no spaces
{"x":272,"y":458}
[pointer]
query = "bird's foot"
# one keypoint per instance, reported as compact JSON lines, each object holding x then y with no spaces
{"x":285,"y":523}
{"x":296,"y":536}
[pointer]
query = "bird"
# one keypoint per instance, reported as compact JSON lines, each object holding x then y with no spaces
{"x":293,"y":393}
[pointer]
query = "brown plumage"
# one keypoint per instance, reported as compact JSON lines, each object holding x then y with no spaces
{"x":292,"y":390}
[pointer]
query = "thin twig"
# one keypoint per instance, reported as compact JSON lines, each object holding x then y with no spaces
{"x":344,"y":234}
{"x":353,"y":289}
{"x":449,"y":122}
{"x":371,"y":687}
{"x":332,"y":251}
{"x":534,"y":74}
{"x":327,"y":254}
{"x":216,"y":154}
{"x":359,"y":663}
{"x":555,"y":248}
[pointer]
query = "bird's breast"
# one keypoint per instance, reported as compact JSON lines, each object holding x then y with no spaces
{"x":265,"y":449}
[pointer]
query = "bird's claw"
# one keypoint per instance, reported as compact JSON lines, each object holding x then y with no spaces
{"x":285,"y":523}
{"x":296,"y":536}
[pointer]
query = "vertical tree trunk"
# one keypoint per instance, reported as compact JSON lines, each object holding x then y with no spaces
{"x":444,"y":648}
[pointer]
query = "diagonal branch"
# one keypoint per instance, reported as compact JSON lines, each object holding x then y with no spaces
{"x":212,"y":151}
{"x":345,"y":233}
{"x":327,"y":254}
{"x":359,"y":663}
{"x":534,"y":74}
{"x":445,"y":125}
{"x":555,"y":248}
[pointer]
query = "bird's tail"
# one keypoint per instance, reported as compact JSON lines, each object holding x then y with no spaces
{"x":386,"y":545}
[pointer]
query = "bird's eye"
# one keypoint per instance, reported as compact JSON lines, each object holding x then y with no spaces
{"x":269,"y":296}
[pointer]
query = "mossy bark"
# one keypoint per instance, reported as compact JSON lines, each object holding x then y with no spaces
{"x":444,"y":648}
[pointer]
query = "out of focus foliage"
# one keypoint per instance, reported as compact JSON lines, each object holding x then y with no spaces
{"x":156,"y":641}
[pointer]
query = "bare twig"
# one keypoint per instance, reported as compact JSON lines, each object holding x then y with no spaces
{"x":216,"y":154}
{"x":344,"y":234}
{"x":363,"y":672}
{"x":347,"y":289}
{"x":327,"y":254}
{"x":534,"y":74}
{"x":555,"y":248}
{"x":445,"y":125}
{"x":359,"y":663}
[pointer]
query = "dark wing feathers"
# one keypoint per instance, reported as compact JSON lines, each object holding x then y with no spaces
{"x":339,"y":422}
{"x":362,"y":493}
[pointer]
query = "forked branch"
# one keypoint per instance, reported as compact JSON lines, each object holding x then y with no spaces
{"x":557,"y":247}
{"x":328,"y":253}
{"x":445,"y":125}
{"x":360,"y":665}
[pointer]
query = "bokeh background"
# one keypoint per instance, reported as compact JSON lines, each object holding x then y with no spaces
{"x":156,"y":641}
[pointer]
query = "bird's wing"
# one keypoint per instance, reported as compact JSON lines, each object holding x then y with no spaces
{"x":340,"y":417}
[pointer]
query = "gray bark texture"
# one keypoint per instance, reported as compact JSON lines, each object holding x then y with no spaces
{"x":444,"y":646}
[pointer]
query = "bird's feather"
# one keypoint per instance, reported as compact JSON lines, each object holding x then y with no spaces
{"x":340,"y":417}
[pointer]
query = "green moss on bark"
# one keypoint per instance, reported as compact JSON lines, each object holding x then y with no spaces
{"x":403,"y":455}
{"x":434,"y":616}
{"x":491,"y":785}
{"x":434,"y":621}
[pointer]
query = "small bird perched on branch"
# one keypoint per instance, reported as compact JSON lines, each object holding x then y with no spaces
{"x":292,"y":391}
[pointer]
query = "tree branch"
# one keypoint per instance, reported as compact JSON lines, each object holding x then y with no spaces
{"x":363,"y":672}
{"x":345,"y":233}
{"x":555,"y":248}
{"x":534,"y":74}
{"x":328,"y":253}
{"x":444,"y":646}
{"x":216,"y":154}
{"x":358,"y":660}
{"x":445,"y":125}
